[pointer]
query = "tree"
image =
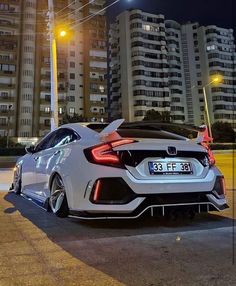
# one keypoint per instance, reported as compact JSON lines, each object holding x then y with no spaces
{"x":222,"y":132}
{"x":72,"y":119}
{"x":166,"y":117}
{"x":157,"y":116}
{"x":11,"y":143}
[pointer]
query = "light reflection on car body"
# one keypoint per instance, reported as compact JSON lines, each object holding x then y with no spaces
{"x":79,"y":171}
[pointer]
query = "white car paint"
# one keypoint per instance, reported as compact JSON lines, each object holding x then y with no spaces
{"x":79,"y":175}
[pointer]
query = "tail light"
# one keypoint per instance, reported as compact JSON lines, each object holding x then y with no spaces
{"x":105,"y":155}
{"x":219,"y":186}
{"x":211,"y":157}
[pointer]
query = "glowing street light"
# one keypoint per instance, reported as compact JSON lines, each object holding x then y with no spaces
{"x":63,"y":33}
{"x":216,"y":79}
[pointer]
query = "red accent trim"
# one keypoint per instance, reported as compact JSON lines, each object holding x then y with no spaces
{"x":223,"y":186}
{"x":121,"y":142}
{"x":97,"y":191}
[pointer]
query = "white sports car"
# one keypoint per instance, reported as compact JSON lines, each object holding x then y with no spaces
{"x":120,"y":172}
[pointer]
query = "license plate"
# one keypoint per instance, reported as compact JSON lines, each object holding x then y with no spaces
{"x":170,"y":168}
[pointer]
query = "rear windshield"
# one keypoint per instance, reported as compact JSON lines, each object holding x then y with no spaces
{"x":156,"y":134}
{"x":139,"y":132}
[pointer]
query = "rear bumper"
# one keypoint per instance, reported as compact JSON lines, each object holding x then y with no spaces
{"x":140,"y":196}
{"x":159,"y":204}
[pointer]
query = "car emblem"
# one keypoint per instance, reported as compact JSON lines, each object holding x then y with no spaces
{"x":171,"y":150}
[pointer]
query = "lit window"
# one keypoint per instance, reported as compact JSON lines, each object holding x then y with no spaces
{"x":102,"y":88}
{"x":146,"y":27}
{"x":47,"y":109}
{"x":72,"y":110}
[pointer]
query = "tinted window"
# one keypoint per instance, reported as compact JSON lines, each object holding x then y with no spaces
{"x":63,"y":136}
{"x":140,"y":133}
{"x":45,"y":142}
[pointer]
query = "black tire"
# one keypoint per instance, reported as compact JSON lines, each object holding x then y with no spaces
{"x":57,"y":199}
{"x":17,"y":181}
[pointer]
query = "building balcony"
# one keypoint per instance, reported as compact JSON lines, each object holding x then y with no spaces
{"x":6,"y":112}
{"x":8,"y":24}
{"x":9,"y":37}
{"x":98,"y":80}
{"x":8,"y":47}
{"x":44,"y":114}
{"x":8,"y":61}
{"x":44,"y":127}
{"x":6,"y":86}
{"x":60,"y":66}
{"x":8,"y":73}
{"x":14,"y":2}
{"x":98,"y":104}
{"x":45,"y":64}
{"x":45,"y":88}
{"x":59,"y":78}
{"x":45,"y":101}
{"x":7,"y":99}
{"x":48,"y":88}
{"x":62,"y":100}
{"x":5,"y":126}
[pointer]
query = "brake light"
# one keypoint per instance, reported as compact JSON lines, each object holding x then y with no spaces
{"x":105,"y":155}
{"x":121,"y":142}
{"x":211,"y":157}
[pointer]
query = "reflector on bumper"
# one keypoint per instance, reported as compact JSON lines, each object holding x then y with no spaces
{"x":111,"y":191}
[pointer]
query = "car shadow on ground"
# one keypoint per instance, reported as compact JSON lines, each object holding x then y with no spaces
{"x":69,"y":229}
{"x":129,"y":251}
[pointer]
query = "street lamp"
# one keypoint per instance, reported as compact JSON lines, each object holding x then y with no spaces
{"x":53,"y":68}
{"x":217,"y":79}
{"x":53,"y":64}
{"x":63,"y":33}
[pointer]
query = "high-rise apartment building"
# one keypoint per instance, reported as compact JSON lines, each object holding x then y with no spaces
{"x":207,"y":52}
{"x":162,"y":65}
{"x":139,"y":65}
{"x":176,"y":77}
{"x":25,"y":64}
{"x":95,"y":62}
{"x":10,"y":27}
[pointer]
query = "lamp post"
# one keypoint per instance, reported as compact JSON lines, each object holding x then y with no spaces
{"x":53,"y":65}
{"x":53,"y":68}
{"x":208,"y":123}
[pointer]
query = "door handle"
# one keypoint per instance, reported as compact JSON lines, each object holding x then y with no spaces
{"x":36,"y":158}
{"x":57,"y":152}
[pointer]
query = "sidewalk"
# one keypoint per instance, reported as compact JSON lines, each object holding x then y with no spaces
{"x":29,"y":257}
{"x":6,"y":176}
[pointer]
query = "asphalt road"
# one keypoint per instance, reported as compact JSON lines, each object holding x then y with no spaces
{"x":37,"y":248}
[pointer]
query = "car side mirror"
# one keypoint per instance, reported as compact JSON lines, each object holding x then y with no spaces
{"x":30,"y":149}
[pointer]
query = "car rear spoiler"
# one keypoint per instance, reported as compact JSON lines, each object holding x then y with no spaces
{"x":109,"y":133}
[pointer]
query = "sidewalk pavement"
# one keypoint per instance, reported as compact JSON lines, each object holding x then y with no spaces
{"x":6,"y":176}
{"x":29,"y":257}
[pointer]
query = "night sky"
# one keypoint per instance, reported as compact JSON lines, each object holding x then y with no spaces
{"x":221,"y":13}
